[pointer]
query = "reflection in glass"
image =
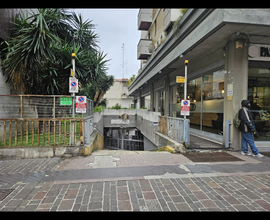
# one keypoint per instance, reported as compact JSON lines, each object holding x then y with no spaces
{"x":213,"y":95}
{"x":212,"y":98}
{"x":259,"y":97}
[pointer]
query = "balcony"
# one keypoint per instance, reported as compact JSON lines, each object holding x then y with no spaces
{"x":170,"y":16}
{"x":144,"y":19}
{"x":144,"y":49}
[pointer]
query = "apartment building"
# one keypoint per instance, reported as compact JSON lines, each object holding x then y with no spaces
{"x":118,"y":93}
{"x":229,"y":60}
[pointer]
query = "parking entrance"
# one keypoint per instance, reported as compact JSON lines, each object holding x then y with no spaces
{"x":123,"y":138}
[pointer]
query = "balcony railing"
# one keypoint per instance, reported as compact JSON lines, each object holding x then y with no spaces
{"x":143,"y":51}
{"x":170,"y":16}
{"x":144,"y":19}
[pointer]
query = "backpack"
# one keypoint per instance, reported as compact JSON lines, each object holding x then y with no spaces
{"x":236,"y":120}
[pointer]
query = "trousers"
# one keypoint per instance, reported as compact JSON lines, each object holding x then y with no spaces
{"x":248,"y":139}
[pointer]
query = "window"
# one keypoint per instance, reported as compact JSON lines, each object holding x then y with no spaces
{"x":155,"y":27}
{"x":206,"y":96}
{"x":213,"y":99}
{"x":259,"y":97}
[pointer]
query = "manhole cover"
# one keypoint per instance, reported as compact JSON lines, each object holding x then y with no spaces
{"x":211,"y":157}
{"x":4,"y":193}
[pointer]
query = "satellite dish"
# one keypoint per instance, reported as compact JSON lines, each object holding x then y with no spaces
{"x":150,"y":48}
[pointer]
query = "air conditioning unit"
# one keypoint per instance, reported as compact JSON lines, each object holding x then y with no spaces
{"x":150,"y":48}
{"x":156,"y":45}
{"x":163,"y":35}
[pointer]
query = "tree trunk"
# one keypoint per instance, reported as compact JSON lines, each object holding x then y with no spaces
{"x":100,"y":97}
{"x":96,"y":96}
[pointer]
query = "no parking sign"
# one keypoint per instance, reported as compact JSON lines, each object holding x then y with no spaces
{"x":73,"y":85}
{"x":185,"y":107}
{"x":80,"y":104}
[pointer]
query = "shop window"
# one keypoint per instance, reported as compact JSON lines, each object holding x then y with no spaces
{"x":160,"y":101}
{"x":206,"y":95}
{"x":194,"y":95}
{"x":259,"y":97}
{"x":213,"y":99}
{"x":147,"y":102}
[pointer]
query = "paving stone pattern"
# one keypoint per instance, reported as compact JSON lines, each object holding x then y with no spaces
{"x":223,"y":193}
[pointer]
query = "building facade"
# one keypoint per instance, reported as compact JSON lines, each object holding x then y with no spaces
{"x":229,"y":60}
{"x":118,"y":93}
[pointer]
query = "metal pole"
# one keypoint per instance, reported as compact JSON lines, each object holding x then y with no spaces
{"x":72,"y":127}
{"x":185,"y":98}
{"x":185,"y":91}
{"x":73,"y":94}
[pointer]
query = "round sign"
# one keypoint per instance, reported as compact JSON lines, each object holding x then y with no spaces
{"x":73,"y":84}
{"x":253,"y":51}
{"x":185,"y":102}
{"x":81,"y":99}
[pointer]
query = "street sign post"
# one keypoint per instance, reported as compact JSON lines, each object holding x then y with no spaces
{"x":186,"y":103}
{"x":73,"y":88}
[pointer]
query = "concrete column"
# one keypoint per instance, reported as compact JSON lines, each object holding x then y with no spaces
{"x":152,"y":93}
{"x":167,"y":96}
{"x":235,"y":77}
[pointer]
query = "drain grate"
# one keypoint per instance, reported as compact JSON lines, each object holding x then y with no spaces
{"x":4,"y":193}
{"x":211,"y":157}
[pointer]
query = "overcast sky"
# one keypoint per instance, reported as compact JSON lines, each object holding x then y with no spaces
{"x":116,"y":27}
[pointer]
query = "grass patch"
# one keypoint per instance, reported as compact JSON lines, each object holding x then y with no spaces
{"x":32,"y":138}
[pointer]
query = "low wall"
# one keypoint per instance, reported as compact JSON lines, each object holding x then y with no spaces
{"x":162,"y":140}
{"x":39,"y":152}
{"x":96,"y":143}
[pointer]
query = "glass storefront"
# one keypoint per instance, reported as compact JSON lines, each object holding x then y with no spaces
{"x":259,"y":97}
{"x":206,"y":95}
{"x":146,"y":102}
{"x":160,"y":100}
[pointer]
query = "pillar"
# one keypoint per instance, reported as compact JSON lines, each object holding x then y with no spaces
{"x":152,"y":93}
{"x":167,"y":96}
{"x":236,"y":86}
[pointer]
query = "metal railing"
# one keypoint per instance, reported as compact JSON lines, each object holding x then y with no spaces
{"x":36,"y":120}
{"x":30,"y":132}
{"x":176,"y":128}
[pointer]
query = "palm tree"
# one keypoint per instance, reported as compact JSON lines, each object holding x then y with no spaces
{"x":105,"y":84}
{"x":37,"y":56}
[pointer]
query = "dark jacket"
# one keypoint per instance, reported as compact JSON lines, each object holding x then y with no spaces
{"x":246,"y":118}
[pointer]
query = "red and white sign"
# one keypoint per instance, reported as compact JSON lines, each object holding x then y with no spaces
{"x":185,"y":107}
{"x":80,"y":104}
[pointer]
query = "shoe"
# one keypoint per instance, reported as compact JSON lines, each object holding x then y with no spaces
{"x":258,"y":155}
{"x":243,"y":153}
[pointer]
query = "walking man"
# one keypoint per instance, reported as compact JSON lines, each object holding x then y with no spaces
{"x":247,"y":128}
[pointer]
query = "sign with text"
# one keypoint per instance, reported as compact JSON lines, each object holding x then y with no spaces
{"x":180,"y":79}
{"x":73,"y":85}
{"x":80,"y":104}
{"x":119,"y":121}
{"x":65,"y":100}
{"x":185,"y":107}
{"x":259,"y":52}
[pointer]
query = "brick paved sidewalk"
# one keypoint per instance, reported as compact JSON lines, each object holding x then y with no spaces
{"x":223,"y":193}
{"x":134,"y":181}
